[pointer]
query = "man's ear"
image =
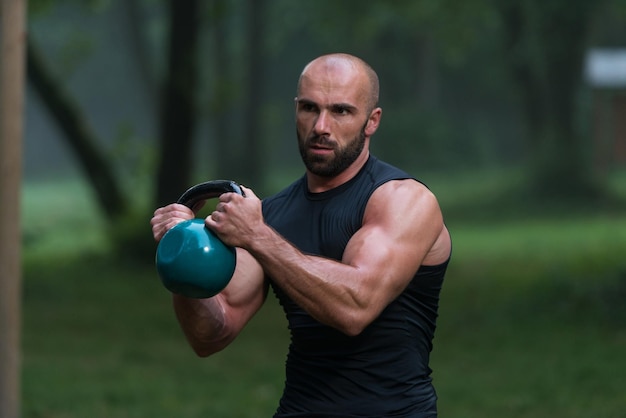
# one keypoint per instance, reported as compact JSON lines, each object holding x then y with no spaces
{"x":373,"y":121}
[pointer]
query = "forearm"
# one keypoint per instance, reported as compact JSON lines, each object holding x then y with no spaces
{"x":377,"y":264}
{"x":204,"y":323}
{"x":327,"y":289}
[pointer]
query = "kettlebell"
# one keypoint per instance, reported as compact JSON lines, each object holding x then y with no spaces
{"x":191,"y":260}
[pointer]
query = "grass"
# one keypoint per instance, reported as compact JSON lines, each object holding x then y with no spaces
{"x":100,"y":340}
{"x":532,"y":324}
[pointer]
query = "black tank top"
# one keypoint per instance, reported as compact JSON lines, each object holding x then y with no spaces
{"x":382,"y":372}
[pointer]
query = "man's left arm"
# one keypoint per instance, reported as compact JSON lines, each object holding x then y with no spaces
{"x":402,"y":228}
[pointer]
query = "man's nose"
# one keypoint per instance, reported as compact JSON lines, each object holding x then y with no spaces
{"x":322,"y":123}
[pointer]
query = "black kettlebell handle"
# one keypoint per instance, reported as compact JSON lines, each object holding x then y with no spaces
{"x":208,"y":190}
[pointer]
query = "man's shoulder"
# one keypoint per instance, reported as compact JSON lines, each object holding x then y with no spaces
{"x":381,"y":172}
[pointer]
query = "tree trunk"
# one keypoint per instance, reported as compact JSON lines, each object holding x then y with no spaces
{"x":251,"y":159}
{"x":227,"y":143}
{"x":178,"y":107}
{"x":81,"y":139}
{"x":12,"y":36}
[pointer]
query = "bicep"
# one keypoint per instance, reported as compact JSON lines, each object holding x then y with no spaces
{"x":401,"y":223}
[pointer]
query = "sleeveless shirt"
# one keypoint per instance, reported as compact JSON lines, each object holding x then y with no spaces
{"x":382,"y":372}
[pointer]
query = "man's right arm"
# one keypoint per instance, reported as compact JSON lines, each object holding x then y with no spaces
{"x":213,"y":323}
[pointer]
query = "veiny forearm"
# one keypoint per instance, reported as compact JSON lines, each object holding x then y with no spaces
{"x":204,"y":323}
{"x":378,"y":262}
{"x":325,"y":288}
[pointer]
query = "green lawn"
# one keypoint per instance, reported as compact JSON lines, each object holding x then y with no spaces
{"x":100,"y":340}
{"x":532,"y":324}
{"x":533,"y":321}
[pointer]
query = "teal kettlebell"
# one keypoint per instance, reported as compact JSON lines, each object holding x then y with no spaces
{"x":190,"y":259}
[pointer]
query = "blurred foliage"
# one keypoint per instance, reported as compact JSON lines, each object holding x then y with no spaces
{"x":452,"y":83}
{"x":39,"y":7}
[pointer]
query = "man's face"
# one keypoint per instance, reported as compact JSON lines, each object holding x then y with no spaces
{"x":331,"y":119}
{"x":327,"y":158}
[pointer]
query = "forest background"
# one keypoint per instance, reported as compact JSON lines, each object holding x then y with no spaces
{"x":512,"y":111}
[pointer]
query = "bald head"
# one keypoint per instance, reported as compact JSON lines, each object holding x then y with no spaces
{"x":345,"y":68}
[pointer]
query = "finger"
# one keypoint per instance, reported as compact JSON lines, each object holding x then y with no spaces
{"x":160,"y":211}
{"x":211,"y":221}
{"x":178,"y":207}
{"x":178,"y":211}
{"x":247,"y":191}
{"x":172,"y":210}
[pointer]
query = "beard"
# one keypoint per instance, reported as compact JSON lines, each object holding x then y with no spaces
{"x":332,"y":165}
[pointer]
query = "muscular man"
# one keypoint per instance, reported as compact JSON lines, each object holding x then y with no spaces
{"x":355,"y":250}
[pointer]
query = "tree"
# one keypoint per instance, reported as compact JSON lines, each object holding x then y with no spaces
{"x":251,"y":159}
{"x":12,"y":35}
{"x":82,"y":140}
{"x":237,"y":88}
{"x":177,"y":116}
{"x":178,"y":106}
{"x":224,"y":92}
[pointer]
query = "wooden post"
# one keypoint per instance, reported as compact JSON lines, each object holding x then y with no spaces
{"x":12,"y":40}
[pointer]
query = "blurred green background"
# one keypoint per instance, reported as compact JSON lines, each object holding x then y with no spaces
{"x":512,"y":111}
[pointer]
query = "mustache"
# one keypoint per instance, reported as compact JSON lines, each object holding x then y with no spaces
{"x":321,"y":140}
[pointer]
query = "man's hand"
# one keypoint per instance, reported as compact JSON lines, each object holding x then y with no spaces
{"x":236,"y":218}
{"x":167,"y":217}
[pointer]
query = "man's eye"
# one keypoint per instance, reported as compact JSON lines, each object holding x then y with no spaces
{"x":341,"y":110}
